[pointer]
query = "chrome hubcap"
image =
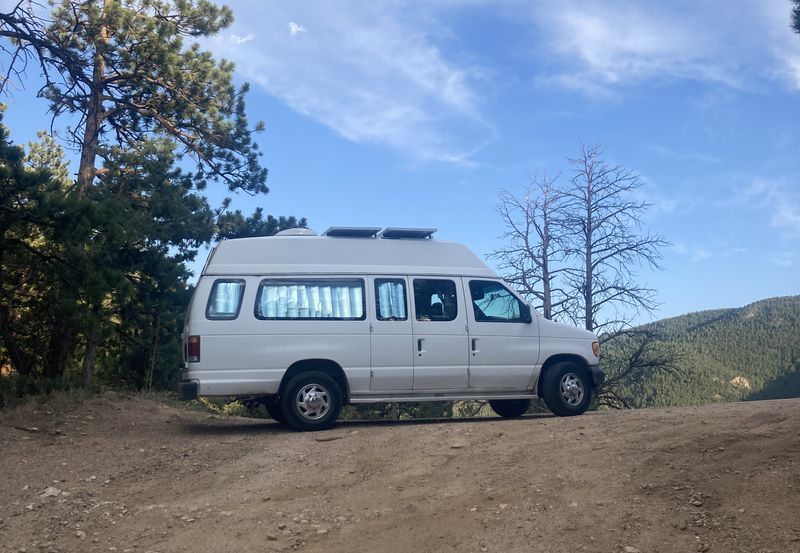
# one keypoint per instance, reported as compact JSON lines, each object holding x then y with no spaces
{"x":313,"y":401}
{"x":572,"y":389}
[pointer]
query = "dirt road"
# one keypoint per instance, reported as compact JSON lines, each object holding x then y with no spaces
{"x":133,"y":475}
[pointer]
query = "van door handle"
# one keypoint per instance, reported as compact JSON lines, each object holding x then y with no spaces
{"x":419,"y":346}
{"x":474,"y":346}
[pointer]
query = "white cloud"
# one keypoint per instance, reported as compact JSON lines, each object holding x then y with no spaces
{"x":602,"y":45}
{"x":784,"y":43}
{"x":236,"y":39}
{"x":295,"y":29}
{"x":372,"y":73}
{"x":779,"y":198}
{"x":671,"y":154}
{"x":730,"y":252}
{"x":694,"y":252}
{"x":668,"y":204}
{"x":782,"y":259}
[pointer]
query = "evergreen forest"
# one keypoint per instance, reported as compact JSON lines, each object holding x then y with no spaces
{"x":745,"y":353}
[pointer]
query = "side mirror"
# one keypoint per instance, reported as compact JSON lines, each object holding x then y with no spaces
{"x":525,"y":313}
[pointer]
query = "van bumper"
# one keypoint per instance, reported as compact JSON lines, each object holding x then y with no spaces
{"x":598,"y":375}
{"x":188,"y":389}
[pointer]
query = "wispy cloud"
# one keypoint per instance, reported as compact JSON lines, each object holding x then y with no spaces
{"x":780,"y":199}
{"x":694,"y":252}
{"x":730,"y":252}
{"x":236,"y":39}
{"x":296,"y":29}
{"x":782,"y":259}
{"x":671,"y":154}
{"x":372,"y":73}
{"x":676,"y":203}
{"x":601,"y":46}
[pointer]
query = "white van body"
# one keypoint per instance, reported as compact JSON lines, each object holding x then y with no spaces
{"x":389,"y":316}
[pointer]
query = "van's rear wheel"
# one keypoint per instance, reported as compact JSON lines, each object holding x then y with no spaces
{"x":274,"y":410}
{"x":311,"y":401}
{"x":566,"y":389}
{"x":510,"y":408}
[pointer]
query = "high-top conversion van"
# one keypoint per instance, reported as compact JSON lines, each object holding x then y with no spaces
{"x":306,"y":324}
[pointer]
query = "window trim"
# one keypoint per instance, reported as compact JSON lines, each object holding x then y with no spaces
{"x":381,"y":280}
{"x":211,"y":296}
{"x":312,"y":281}
{"x":519,"y":319}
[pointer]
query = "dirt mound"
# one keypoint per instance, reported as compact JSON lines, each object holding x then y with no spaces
{"x":133,"y":475}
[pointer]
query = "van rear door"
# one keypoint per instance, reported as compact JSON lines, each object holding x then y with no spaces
{"x":441,"y":359}
{"x":390,"y":340}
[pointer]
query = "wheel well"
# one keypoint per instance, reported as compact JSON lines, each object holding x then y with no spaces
{"x":331,"y":368}
{"x":577,"y":359}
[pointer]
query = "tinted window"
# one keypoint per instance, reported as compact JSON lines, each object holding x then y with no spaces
{"x":492,"y":302}
{"x":390,"y":299}
{"x":225,"y":299}
{"x":435,"y":300}
{"x":310,"y":299}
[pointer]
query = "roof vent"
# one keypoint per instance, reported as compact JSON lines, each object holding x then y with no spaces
{"x":297,"y":232}
{"x":418,"y":233}
{"x":352,"y":232}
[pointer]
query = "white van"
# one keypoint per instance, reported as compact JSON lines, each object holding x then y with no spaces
{"x":307,"y":324}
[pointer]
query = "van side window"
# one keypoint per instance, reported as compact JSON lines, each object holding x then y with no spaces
{"x":225,"y":299}
{"x":390,"y":299}
{"x":492,"y":302}
{"x":332,"y":299}
{"x":435,"y":300}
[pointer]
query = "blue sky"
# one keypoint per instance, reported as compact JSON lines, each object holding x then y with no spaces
{"x":420,"y":113}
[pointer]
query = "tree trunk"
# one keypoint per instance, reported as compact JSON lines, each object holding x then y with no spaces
{"x":547,"y":292}
{"x":88,"y":360}
{"x":15,"y":354}
{"x":151,"y":362}
{"x":588,"y":296}
{"x":94,"y":113}
{"x":86,"y":169}
{"x":58,"y":347}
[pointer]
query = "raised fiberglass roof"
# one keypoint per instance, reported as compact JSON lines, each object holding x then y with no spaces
{"x":344,"y":255}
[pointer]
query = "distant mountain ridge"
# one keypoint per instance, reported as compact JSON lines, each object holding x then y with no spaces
{"x":750,"y":352}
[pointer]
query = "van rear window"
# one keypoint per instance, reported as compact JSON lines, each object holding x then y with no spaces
{"x":225,"y":299}
{"x":331,"y":299}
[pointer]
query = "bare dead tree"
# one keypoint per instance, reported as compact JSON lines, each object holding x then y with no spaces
{"x":533,"y":250}
{"x":631,"y":356}
{"x":609,"y":241}
{"x":576,"y":250}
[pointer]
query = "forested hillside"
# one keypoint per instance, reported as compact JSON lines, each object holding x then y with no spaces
{"x":752,"y":352}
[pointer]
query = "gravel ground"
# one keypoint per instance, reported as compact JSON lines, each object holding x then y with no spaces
{"x":128,"y":474}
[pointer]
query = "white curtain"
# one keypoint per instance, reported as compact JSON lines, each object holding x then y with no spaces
{"x":227,"y":297}
{"x":328,"y":300}
{"x":391,"y":300}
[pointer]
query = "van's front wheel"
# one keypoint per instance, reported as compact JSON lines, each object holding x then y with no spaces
{"x":311,"y":401}
{"x":566,"y":389}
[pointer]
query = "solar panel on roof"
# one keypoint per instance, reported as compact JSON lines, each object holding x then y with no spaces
{"x":419,"y":233}
{"x":352,"y":232}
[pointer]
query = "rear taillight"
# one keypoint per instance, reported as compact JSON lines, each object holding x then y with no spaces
{"x":193,"y":349}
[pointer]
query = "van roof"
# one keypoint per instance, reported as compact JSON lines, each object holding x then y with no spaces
{"x":271,"y":255}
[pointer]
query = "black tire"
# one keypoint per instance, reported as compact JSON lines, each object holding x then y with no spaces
{"x":510,"y":408}
{"x":311,"y":401}
{"x":567,"y":389}
{"x":274,"y":410}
